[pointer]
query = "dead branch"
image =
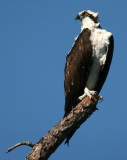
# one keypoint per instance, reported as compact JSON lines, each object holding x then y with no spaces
{"x":49,"y":143}
{"x":27,"y":143}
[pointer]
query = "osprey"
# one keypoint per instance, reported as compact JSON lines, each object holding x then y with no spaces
{"x":88,"y":62}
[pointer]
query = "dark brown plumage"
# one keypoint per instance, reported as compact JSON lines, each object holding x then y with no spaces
{"x":88,"y":62}
{"x":77,"y":68}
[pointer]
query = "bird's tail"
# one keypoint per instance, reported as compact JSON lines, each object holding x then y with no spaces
{"x":69,"y":137}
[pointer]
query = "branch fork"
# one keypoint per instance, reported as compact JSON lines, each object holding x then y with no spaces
{"x":50,"y":142}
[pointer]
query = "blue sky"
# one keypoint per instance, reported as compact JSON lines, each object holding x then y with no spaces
{"x":35,"y":37}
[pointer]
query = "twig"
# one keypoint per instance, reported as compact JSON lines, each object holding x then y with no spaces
{"x":27,"y":143}
{"x":50,"y":142}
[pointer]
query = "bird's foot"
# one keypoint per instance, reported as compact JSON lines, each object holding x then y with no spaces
{"x":89,"y":93}
{"x":100,"y":98}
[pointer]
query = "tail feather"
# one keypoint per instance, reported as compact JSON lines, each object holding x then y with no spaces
{"x":69,"y":137}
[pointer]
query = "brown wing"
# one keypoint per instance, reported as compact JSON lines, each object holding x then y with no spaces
{"x":78,"y":66}
{"x":105,"y":68}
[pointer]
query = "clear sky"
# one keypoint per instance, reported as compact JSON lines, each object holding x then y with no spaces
{"x":35,"y":37}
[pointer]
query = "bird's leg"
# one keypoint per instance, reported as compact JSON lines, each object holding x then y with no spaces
{"x":89,"y":93}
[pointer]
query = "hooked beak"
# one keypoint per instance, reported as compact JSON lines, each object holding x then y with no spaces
{"x":77,"y":17}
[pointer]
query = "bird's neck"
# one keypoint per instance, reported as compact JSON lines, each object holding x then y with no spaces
{"x":88,"y":23}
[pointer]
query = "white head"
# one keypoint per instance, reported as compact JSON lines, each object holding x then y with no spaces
{"x":88,"y":19}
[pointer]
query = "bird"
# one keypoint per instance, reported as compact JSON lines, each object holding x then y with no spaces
{"x":88,"y":62}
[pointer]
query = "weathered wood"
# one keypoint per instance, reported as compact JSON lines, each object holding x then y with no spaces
{"x":27,"y":143}
{"x":49,"y":143}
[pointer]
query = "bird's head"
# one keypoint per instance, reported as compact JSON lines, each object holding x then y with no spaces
{"x":88,"y":19}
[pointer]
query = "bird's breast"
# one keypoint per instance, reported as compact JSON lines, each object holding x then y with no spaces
{"x":100,"y":41}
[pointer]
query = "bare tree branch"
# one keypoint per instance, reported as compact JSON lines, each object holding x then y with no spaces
{"x":49,"y":143}
{"x":27,"y":143}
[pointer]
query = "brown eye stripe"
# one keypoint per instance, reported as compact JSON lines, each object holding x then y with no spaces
{"x":93,"y":18}
{"x":90,"y":15}
{"x":83,"y":14}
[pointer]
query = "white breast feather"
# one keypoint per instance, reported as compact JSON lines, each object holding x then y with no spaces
{"x":100,"y":41}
